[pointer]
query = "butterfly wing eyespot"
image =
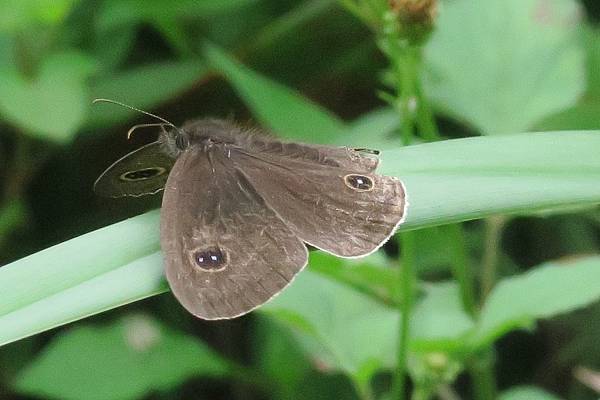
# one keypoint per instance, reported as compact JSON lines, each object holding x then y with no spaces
{"x":142,"y":174}
{"x":143,"y":171}
{"x":360,"y":183}
{"x":210,"y":260}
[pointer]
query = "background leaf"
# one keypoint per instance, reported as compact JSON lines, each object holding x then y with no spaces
{"x":131,"y":87}
{"x":439,"y":322}
{"x":122,"y":360}
{"x":547,"y":291}
{"x":18,"y":15}
{"x":54,"y":104}
{"x":353,"y":333}
{"x":279,"y":108}
{"x":508,"y":65}
{"x":118,"y":13}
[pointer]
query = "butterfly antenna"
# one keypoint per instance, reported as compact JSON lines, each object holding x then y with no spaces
{"x":133,"y":128}
{"x":138,"y":110}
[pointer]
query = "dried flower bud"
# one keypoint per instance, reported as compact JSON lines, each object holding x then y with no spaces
{"x":415,"y":17}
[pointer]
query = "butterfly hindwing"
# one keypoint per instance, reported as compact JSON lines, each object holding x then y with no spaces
{"x":226,"y":251}
{"x":143,"y":171}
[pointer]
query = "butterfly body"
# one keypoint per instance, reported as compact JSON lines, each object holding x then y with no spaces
{"x":239,"y":208}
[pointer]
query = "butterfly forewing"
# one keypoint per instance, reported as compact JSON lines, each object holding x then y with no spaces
{"x":226,"y":251}
{"x":345,"y":210}
{"x":341,"y":157}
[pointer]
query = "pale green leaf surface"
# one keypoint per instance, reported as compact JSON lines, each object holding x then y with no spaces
{"x":132,"y":87}
{"x":278,"y":107}
{"x":551,"y":289}
{"x":82,"y":276}
{"x":351,"y":327}
{"x":527,"y":393}
{"x":439,"y":321}
{"x":53,"y":105}
{"x":446,"y":182}
{"x":508,"y":65}
{"x":471,"y":178}
{"x":119,"y":361}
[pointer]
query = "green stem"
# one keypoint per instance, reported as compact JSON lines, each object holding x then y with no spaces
{"x":481,"y":370}
{"x":406,"y":70}
{"x":364,"y":391}
{"x":407,"y":284}
{"x":461,"y":268}
{"x":425,"y":119}
{"x":491,"y":253}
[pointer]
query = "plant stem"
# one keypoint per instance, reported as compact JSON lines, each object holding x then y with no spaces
{"x":406,"y":72}
{"x":491,"y":253}
{"x":407,"y":283}
{"x":482,"y":376}
{"x":364,"y":391}
{"x":461,"y":268}
{"x":425,"y":118}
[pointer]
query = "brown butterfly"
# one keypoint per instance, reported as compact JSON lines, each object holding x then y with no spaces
{"x":239,"y":208}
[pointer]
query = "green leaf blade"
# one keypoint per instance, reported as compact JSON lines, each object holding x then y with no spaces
{"x":549,"y":290}
{"x":276,"y":106}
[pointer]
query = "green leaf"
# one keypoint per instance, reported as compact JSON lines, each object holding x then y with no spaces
{"x":374,"y":130}
{"x":281,"y":109}
{"x":119,"y":13}
{"x":439,"y":322}
{"x":102,"y":262}
{"x":373,"y":275}
{"x":346,"y":330}
{"x":583,"y":116}
{"x":123,"y":360}
{"x":463,"y":179}
{"x":549,"y":290}
{"x":18,"y":15}
{"x":526,"y":393}
{"x":54,"y":104}
{"x":503,"y":65}
{"x":446,"y":181}
{"x":12,"y":216}
{"x":273,"y":346}
{"x":131,"y":87}
{"x":592,"y":45}
{"x":7,"y":53}
{"x":111,"y":48}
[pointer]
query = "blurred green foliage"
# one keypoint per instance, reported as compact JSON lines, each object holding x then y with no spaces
{"x":502,"y":307}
